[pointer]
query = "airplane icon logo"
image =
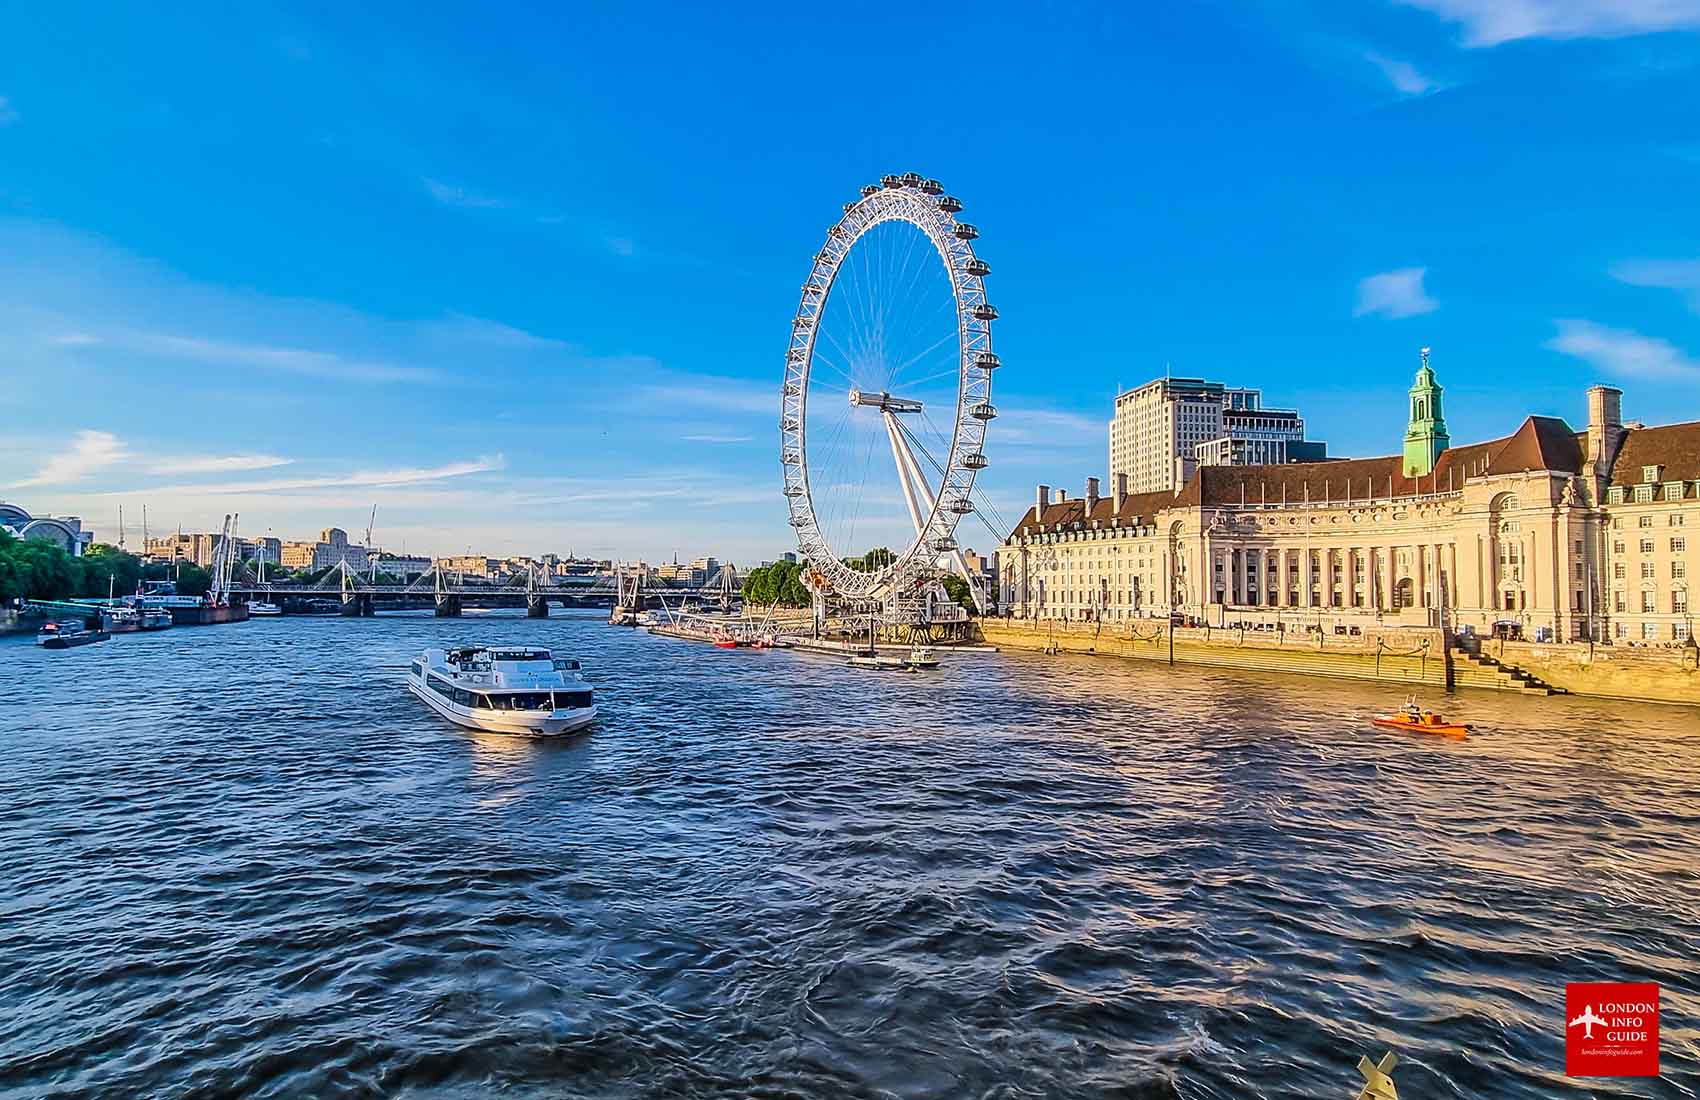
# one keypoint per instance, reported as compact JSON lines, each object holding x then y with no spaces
{"x":1587,"y":1020}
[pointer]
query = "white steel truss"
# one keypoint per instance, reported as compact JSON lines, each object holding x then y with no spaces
{"x":921,"y":204}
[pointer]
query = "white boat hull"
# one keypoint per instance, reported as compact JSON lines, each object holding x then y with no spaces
{"x":556,"y":723}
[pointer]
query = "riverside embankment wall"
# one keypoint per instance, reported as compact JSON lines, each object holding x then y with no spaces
{"x":1404,"y":656}
{"x":1411,"y":656}
{"x":1665,"y":675}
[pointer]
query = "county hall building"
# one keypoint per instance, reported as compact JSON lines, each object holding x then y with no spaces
{"x":1547,"y":533}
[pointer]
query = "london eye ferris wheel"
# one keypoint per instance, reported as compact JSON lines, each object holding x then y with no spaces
{"x":891,"y":350}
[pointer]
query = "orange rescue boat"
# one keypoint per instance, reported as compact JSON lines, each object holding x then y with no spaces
{"x":1414,"y":719}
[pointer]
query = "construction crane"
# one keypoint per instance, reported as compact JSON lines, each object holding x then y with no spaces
{"x":371,"y":552}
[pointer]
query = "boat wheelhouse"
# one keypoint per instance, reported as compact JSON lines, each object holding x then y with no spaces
{"x":504,"y":689}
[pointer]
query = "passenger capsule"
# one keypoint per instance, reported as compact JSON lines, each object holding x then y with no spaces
{"x":974,"y":461}
{"x":985,"y":311}
{"x":965,"y":232}
{"x":982,"y":412}
{"x":986,"y":361}
{"x":950,"y":205}
{"x":944,"y":542}
{"x":977,"y":267}
{"x":932,"y":187}
{"x":961,"y":506}
{"x":870,"y":189}
{"x":893,"y":182}
{"x":911,"y":179}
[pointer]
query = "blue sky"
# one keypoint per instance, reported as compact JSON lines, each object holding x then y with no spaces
{"x":523,"y":277}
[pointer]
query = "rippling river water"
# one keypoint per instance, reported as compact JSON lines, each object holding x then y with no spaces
{"x":243,"y":861}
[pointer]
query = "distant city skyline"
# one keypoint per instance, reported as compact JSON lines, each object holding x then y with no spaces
{"x":524,"y":284}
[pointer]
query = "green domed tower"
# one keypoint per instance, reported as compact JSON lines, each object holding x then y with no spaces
{"x":1426,"y":436}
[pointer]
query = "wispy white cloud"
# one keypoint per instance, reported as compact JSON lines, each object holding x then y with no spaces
{"x":1682,"y":276}
{"x":621,"y":246}
{"x":1492,"y":22}
{"x":1395,"y":294}
{"x":75,"y":340}
{"x":693,"y":393}
{"x":1403,"y":75}
{"x":303,"y":361}
{"x":213,"y":464}
{"x":8,"y":113}
{"x":1623,"y":352}
{"x":465,"y":329}
{"x":452,"y":195}
{"x":89,"y":452}
{"x":376,"y":479}
{"x":718,"y":438}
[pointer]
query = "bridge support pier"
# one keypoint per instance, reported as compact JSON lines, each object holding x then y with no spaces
{"x":358,"y":607}
{"x":537,"y":607}
{"x":448,"y":607}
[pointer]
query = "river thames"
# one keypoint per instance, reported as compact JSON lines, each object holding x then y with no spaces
{"x":244,"y":861}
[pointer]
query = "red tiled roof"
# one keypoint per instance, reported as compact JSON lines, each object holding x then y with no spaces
{"x":1138,"y":508}
{"x":1541,"y":443}
{"x":1674,"y":447}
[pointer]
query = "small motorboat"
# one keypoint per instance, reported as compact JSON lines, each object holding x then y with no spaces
{"x":725,"y":643}
{"x":263,"y":609}
{"x":68,"y":635}
{"x":922,"y":656}
{"x":1414,"y":719}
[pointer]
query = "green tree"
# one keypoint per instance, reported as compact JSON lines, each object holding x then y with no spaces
{"x":103,"y":561}
{"x":191,"y":579}
{"x":782,"y":581}
{"x":958,"y":590}
{"x":38,"y":570}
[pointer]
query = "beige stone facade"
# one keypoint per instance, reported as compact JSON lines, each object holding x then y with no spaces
{"x":1545,"y":534}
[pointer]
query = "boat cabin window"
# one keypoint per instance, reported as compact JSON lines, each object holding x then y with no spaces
{"x":566,"y":665}
{"x":522,"y":700}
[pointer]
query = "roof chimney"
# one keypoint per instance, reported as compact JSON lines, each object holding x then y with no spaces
{"x":1605,"y":427}
{"x":1091,"y":494}
{"x":1062,"y":495}
{"x":1121,"y":492}
{"x":1044,"y":502}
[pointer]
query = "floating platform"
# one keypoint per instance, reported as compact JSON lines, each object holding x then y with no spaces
{"x":209,"y":616}
{"x":850,"y":649}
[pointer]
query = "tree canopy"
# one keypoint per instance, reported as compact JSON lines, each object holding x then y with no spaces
{"x":780,"y":582}
{"x":37,"y":570}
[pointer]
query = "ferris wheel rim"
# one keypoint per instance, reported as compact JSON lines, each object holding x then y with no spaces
{"x":919,"y":203}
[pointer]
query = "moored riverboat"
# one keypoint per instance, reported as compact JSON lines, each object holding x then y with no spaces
{"x":520,"y":690}
{"x":133,"y":620}
{"x":68,"y":635}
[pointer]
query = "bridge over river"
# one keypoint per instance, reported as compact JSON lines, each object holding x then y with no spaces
{"x":449,"y":593}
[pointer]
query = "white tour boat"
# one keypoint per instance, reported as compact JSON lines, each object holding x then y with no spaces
{"x":260,"y":608}
{"x":504,"y":689}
